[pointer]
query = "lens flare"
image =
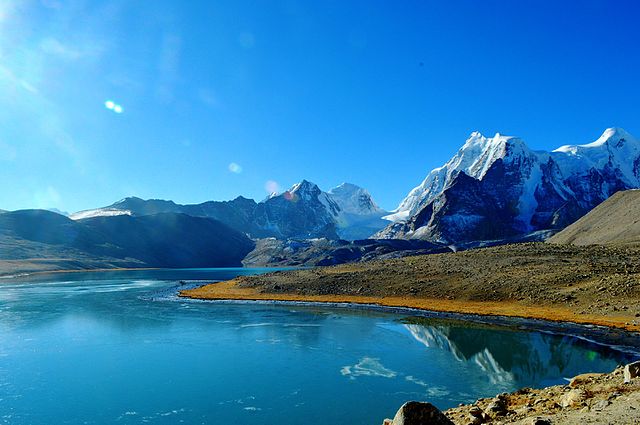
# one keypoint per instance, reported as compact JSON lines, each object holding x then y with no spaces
{"x":291,"y":197}
{"x":272,"y":187}
{"x":235,"y":168}
{"x":113,"y":106}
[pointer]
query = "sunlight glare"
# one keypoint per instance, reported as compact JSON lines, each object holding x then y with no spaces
{"x":111,"y":105}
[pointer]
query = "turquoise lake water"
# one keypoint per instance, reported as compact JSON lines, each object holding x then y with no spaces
{"x":118,"y":348}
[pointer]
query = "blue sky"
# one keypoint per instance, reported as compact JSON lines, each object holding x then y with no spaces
{"x":372,"y":92}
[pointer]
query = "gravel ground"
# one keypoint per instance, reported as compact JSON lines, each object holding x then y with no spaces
{"x":590,"y":280}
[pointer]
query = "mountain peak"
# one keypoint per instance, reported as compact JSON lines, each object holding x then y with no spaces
{"x":128,"y":199}
{"x":344,"y":187}
{"x":612,"y":134}
{"x":474,"y":158}
{"x":524,"y":191}
{"x":305,"y":190}
{"x":354,"y":199}
{"x":613,"y":137}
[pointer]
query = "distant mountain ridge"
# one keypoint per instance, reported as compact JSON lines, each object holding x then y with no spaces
{"x":158,"y":240}
{"x":304,"y":211}
{"x":496,"y":188}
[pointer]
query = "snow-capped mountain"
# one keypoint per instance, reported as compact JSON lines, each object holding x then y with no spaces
{"x":99,"y":212}
{"x":303,"y":211}
{"x":496,"y":187}
{"x":353,"y":199}
{"x":360,"y":217}
{"x":130,"y":206}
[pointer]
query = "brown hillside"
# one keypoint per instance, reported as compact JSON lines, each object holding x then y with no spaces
{"x":615,"y":221}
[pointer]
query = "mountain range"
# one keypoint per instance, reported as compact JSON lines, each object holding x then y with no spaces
{"x":302,"y":212}
{"x":159,"y":240}
{"x":498,"y":188}
{"x":493,"y":190}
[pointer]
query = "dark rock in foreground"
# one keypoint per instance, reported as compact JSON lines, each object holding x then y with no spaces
{"x":418,"y":413}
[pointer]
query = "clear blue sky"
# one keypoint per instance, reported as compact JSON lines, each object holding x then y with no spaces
{"x":372,"y":92}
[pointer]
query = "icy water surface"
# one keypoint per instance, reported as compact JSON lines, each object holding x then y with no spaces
{"x":113,"y":348}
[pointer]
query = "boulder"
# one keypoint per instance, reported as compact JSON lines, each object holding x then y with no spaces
{"x":573,"y":398}
{"x":585,"y":378}
{"x":496,"y":408}
{"x":419,"y":413}
{"x":537,"y":421}
{"x":476,"y":411}
{"x":632,"y":370}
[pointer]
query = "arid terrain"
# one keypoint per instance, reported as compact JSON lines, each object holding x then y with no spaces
{"x":586,"y":399}
{"x":616,"y":220}
{"x":589,"y":284}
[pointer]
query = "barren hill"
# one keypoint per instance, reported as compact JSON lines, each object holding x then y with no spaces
{"x":615,"y":221}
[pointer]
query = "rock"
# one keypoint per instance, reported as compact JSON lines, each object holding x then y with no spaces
{"x":600,"y":405}
{"x":476,"y":411}
{"x":387,"y":422}
{"x":496,"y":408}
{"x":614,"y":395}
{"x":572,"y":398}
{"x":418,"y":413}
{"x":537,"y":421}
{"x":618,"y":371}
{"x":475,"y":420}
{"x":576,"y":381}
{"x":632,"y":370}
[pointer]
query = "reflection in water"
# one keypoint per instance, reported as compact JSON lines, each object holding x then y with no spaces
{"x":511,"y":358}
{"x":437,"y":337}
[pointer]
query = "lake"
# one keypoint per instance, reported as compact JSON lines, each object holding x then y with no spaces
{"x":118,"y":347}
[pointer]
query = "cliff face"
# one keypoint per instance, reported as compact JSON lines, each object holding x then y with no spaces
{"x":496,"y":188}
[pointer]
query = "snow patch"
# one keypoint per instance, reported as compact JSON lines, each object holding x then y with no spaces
{"x":100,"y":212}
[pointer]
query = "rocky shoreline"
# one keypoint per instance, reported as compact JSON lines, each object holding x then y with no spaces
{"x":593,"y":398}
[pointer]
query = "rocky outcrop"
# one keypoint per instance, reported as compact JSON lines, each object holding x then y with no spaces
{"x":631,"y":371}
{"x":595,"y":398}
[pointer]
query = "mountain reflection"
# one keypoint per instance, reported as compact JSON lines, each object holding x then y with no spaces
{"x":510,"y":357}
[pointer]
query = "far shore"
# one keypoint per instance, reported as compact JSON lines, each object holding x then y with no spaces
{"x":229,"y":291}
{"x":593,"y":285}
